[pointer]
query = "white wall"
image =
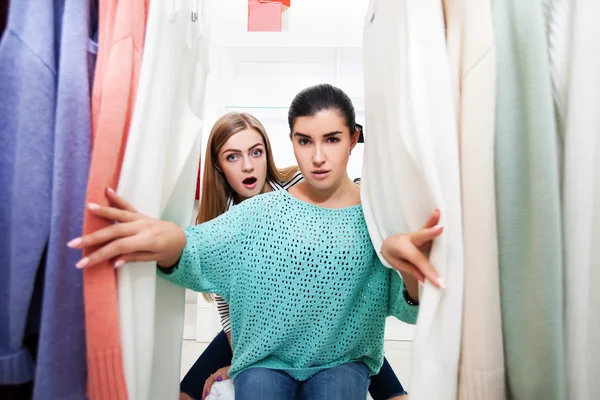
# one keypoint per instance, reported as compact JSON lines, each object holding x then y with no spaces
{"x":307,"y":23}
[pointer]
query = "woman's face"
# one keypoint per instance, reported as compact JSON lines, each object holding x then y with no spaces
{"x":322,"y":146}
{"x":243,"y":161}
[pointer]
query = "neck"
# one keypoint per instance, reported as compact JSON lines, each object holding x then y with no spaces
{"x":339,"y":194}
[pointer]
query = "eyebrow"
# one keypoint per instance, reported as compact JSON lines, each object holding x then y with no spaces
{"x":304,"y":135}
{"x":239,"y":151}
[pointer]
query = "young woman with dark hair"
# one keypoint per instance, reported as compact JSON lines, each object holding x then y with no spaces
{"x":308,"y":293}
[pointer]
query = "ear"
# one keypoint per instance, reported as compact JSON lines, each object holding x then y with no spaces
{"x":218,"y":168}
{"x":354,"y":138}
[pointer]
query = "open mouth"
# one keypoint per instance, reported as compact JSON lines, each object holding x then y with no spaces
{"x":250,"y":182}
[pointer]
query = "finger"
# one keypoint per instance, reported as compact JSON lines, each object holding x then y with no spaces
{"x":207,"y":386}
{"x":104,"y":235}
{"x":116,"y":249}
{"x":408,"y":268}
{"x":433,"y":220}
{"x":423,"y":236}
{"x":113,"y":214}
{"x":118,"y":201}
{"x":135,"y":257}
{"x":416,"y":258}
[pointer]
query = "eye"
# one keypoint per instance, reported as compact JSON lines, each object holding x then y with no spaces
{"x":303,"y":142}
{"x":232,"y":157}
{"x":257,"y":153}
{"x":332,"y":139}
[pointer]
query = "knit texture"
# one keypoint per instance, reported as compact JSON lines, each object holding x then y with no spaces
{"x":222,"y":305}
{"x":121,"y":39}
{"x":61,"y":361}
{"x":470,"y":42}
{"x":28,"y":76}
{"x":306,"y":289}
{"x":528,"y":204}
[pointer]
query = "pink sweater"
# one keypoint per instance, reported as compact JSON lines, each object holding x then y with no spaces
{"x":122,"y":26}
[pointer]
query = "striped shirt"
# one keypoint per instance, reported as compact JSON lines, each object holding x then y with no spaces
{"x":222,"y":306}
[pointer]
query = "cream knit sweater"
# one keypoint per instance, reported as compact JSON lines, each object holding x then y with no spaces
{"x":470,"y":40}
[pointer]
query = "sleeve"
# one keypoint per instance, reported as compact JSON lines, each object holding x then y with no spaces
{"x":398,"y":305}
{"x":209,"y":254}
{"x":223,"y":309}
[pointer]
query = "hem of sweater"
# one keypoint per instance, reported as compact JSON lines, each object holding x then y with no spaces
{"x":424,"y":371}
{"x":476,"y":384}
{"x":106,"y":378}
{"x":16,"y":368}
{"x":299,"y":374}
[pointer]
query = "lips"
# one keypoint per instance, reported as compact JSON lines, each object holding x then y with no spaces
{"x":250,"y":182}
{"x":320,"y":174}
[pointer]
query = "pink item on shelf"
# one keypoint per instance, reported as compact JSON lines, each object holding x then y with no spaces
{"x":265,"y":15}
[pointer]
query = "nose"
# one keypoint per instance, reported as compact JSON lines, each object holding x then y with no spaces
{"x":247,"y":166}
{"x":318,"y":156}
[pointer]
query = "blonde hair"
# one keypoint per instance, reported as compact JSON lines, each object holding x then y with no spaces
{"x":215,"y":188}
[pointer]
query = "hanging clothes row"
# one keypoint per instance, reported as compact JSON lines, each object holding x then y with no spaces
{"x":159,"y":178}
{"x":71,"y":128}
{"x":121,"y":40}
{"x":46,"y":60}
{"x":411,"y":166}
{"x":525,"y":81}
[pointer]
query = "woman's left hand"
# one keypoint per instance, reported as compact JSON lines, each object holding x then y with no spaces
{"x":222,"y":374}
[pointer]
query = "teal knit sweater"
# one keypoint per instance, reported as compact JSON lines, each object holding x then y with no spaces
{"x":306,"y":288}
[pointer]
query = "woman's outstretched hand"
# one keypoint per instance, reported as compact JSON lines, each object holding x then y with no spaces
{"x":409,"y":252}
{"x":135,"y":237}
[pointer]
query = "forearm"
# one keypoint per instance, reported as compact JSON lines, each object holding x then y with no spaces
{"x":412,"y":286}
{"x":199,"y":264}
{"x":169,"y":262}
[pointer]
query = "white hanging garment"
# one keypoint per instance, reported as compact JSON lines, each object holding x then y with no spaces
{"x":158,"y":177}
{"x":411,"y":166}
{"x":470,"y":41}
{"x":581,"y":201}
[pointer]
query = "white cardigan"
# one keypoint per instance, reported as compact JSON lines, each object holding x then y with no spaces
{"x":581,"y":193}
{"x":411,"y":166}
{"x":470,"y":41}
{"x":158,"y":177}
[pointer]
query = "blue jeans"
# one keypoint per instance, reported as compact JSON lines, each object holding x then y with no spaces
{"x":344,"y":382}
{"x":218,"y":354}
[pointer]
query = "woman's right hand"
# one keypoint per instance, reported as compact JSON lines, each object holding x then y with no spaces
{"x":222,"y":374}
{"x":135,"y":237}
